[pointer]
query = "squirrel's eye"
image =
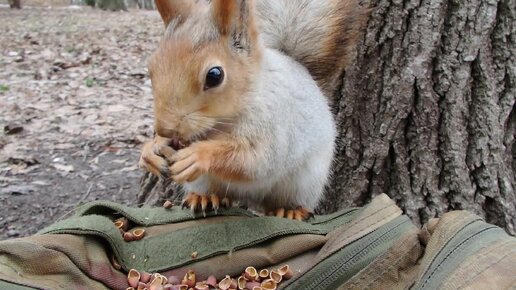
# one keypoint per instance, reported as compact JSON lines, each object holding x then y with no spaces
{"x":214,"y":78}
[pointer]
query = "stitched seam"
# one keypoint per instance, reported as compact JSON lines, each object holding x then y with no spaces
{"x":457,"y":248}
{"x":461,"y":286}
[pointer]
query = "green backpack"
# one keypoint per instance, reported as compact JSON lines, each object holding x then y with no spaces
{"x":374,"y":247}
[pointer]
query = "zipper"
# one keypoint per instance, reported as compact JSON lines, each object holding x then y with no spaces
{"x":352,"y":255}
{"x":439,"y":262}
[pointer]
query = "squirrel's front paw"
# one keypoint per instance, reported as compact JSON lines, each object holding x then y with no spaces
{"x":154,"y":157}
{"x":190,"y":163}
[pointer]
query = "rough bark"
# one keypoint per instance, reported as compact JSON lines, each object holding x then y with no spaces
{"x":426,"y":112}
{"x":16,"y":4}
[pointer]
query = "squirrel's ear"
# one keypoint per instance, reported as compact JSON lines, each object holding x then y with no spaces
{"x":174,"y":9}
{"x":234,"y":18}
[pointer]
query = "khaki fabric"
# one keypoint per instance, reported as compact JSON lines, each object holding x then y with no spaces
{"x":490,"y":268}
{"x":58,"y":262}
{"x":374,"y":247}
{"x":395,"y":269}
{"x":464,"y":252}
{"x":379,"y":212}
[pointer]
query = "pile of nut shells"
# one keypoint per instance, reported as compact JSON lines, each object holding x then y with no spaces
{"x":129,"y":235}
{"x":251,"y":279}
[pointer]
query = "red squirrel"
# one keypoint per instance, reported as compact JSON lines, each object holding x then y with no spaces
{"x":241,"y":92}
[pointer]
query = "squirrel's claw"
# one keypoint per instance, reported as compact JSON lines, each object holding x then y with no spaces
{"x":299,"y":214}
{"x":215,"y":202}
{"x":203,"y":203}
{"x":191,"y":201}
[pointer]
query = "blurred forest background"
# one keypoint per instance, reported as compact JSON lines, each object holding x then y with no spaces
{"x":111,"y":5}
{"x":75,"y":105}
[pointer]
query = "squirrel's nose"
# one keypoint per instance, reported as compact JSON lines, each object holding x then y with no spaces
{"x":166,"y":133}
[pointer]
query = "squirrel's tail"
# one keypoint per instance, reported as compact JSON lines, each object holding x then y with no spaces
{"x":320,"y":34}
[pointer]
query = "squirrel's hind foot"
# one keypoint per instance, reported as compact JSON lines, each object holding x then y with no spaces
{"x":197,"y":202}
{"x":300,"y":213}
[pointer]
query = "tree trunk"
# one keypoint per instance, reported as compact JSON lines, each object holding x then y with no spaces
{"x":112,"y":5}
{"x":148,"y":4}
{"x":15,"y":4}
{"x":426,"y":112}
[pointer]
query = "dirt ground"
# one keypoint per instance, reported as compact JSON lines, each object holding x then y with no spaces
{"x":75,"y":106}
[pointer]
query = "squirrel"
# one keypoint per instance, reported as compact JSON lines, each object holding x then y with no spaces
{"x":241,"y":98}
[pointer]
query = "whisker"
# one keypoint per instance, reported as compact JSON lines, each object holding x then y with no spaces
{"x":206,"y":127}
{"x":215,"y":120}
{"x":167,"y":127}
{"x":207,"y":123}
{"x":169,"y":111}
{"x":215,"y":117}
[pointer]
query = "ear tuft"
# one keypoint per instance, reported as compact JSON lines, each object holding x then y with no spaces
{"x":234,"y":19}
{"x":174,"y":9}
{"x":225,"y":13}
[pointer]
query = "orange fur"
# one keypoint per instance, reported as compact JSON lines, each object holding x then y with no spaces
{"x":220,"y":158}
{"x":151,"y":161}
{"x":178,"y":70}
{"x":224,"y":34}
{"x":339,"y":40}
{"x":228,"y":160}
{"x":224,"y":12}
{"x":174,"y":9}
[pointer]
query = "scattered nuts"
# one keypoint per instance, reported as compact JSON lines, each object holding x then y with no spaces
{"x":194,"y":255}
{"x":141,"y":286}
{"x":133,"y":277}
{"x":189,"y":278}
{"x":145,"y":277}
{"x":202,"y":286}
{"x":128,"y":237}
{"x":138,"y":234}
{"x":251,"y":279}
{"x":168,"y":204}
{"x":225,"y":283}
{"x":252,"y":285}
{"x":212,"y":281}
{"x":275,"y":276}
{"x":269,"y":285}
{"x":233,"y":284}
{"x":164,"y":280}
{"x":242,"y":283}
{"x":285,"y":272}
{"x":122,"y":224}
{"x":119,"y":224}
{"x":264,"y":273}
{"x":251,"y":273}
{"x":156,"y":282}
